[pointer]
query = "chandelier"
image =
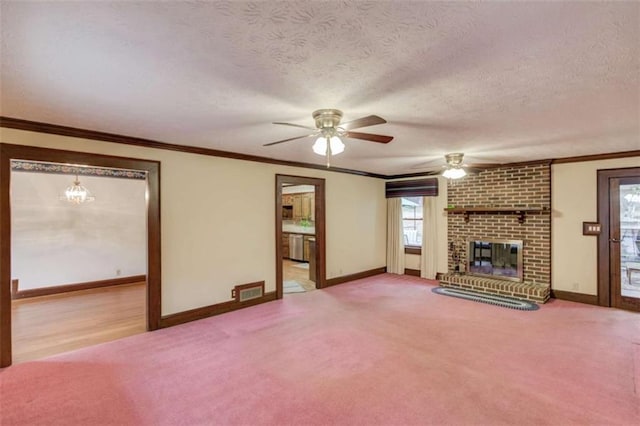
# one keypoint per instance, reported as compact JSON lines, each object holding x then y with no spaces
{"x":77,"y":194}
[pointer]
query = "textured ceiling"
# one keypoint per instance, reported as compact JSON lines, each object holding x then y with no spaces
{"x":499,"y":81}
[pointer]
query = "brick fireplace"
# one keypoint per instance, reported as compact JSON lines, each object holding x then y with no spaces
{"x":511,"y":203}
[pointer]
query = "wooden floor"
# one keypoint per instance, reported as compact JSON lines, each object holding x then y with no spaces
{"x":48,"y":325}
{"x":301,"y":276}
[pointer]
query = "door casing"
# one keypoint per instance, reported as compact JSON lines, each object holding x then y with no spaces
{"x":609,"y":271}
{"x":319,"y":194}
{"x":10,"y":152}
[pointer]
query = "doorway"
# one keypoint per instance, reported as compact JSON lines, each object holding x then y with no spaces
{"x":298,"y":238}
{"x":78,"y":256}
{"x":152,"y":194}
{"x":619,"y":242}
{"x":304,"y":210}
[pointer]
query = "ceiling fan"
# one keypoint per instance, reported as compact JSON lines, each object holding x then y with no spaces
{"x":330,"y":132}
{"x":456,"y":169}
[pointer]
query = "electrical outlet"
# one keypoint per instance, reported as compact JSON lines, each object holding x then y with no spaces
{"x":118,"y":272}
{"x":575,"y":286}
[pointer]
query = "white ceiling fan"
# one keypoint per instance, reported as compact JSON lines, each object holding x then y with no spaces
{"x":330,"y":132}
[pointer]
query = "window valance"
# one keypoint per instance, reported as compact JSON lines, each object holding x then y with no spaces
{"x":412,"y":188}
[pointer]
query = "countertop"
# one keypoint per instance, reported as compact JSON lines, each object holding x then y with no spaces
{"x":297,"y":229}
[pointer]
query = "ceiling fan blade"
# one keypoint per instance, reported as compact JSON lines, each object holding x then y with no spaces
{"x":294,"y":125}
{"x":428,"y":166}
{"x":287,"y":140}
{"x":433,"y":173}
{"x":369,"y":120}
{"x":370,"y":137}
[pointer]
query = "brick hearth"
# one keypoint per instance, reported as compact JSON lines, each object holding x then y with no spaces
{"x":524,"y":187}
{"x":533,"y":292}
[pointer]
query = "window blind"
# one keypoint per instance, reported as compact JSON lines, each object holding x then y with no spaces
{"x":412,"y":188}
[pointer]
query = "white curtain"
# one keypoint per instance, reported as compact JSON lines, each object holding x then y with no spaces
{"x":429,"y":256}
{"x":395,"y":236}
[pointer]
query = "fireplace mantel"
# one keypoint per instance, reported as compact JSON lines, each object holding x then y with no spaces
{"x":520,"y":212}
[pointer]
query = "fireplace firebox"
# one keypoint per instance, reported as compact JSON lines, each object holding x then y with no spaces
{"x":495,"y":258}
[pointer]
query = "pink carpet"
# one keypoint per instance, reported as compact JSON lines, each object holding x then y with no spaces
{"x":383,"y":350}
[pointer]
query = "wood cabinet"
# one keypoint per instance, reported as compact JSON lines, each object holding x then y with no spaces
{"x":306,"y":252}
{"x":297,"y":207}
{"x":302,"y":206}
{"x":306,"y":205}
{"x":287,"y":199}
{"x":312,"y":259}
{"x":285,"y":245}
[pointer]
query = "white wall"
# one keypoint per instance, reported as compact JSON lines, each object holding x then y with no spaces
{"x":54,"y":242}
{"x":218,"y":219}
{"x":574,"y":200}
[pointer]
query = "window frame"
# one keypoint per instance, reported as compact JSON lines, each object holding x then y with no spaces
{"x":410,"y":248}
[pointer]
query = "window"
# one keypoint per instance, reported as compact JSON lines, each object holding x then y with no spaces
{"x":412,"y":221}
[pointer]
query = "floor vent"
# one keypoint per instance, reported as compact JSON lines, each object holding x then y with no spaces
{"x":246,"y":292}
{"x":491,"y":299}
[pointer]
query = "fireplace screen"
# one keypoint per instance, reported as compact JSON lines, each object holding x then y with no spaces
{"x":495,"y":259}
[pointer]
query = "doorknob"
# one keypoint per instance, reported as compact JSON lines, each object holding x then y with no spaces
{"x":614,"y":240}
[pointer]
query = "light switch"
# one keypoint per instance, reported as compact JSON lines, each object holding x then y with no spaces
{"x":591,"y":228}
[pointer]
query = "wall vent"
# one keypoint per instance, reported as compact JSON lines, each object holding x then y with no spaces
{"x":246,"y":292}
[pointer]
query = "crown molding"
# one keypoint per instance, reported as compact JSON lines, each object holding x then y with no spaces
{"x":596,"y":157}
{"x":55,"y":129}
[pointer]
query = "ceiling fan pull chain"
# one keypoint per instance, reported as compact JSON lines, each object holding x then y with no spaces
{"x":328,"y":152}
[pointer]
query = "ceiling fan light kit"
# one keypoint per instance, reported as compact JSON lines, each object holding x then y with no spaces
{"x":454,"y":166}
{"x":454,"y":173}
{"x":336,"y":146}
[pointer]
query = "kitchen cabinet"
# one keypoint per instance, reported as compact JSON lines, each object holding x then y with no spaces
{"x":307,"y":254}
{"x":287,"y":199}
{"x":306,"y":205}
{"x":312,"y":259}
{"x":303,"y":205}
{"x":297,"y":207}
{"x":285,"y":245}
